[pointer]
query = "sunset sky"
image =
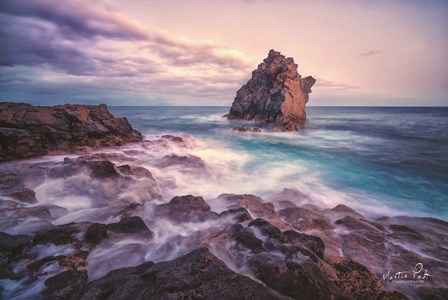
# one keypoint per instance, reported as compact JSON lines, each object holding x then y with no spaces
{"x":200,"y":52}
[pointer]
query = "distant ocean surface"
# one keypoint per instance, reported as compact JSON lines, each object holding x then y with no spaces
{"x":378,"y":160}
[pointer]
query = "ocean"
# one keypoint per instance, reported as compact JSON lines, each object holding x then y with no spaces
{"x":378,"y":160}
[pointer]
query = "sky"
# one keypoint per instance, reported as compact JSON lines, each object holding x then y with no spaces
{"x":199,"y":52}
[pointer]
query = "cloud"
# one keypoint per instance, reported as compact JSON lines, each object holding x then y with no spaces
{"x":59,"y":43}
{"x":80,"y":18}
{"x":325,"y":85}
{"x":371,"y":52}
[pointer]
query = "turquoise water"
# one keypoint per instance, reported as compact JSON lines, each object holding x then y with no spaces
{"x":381,"y":160}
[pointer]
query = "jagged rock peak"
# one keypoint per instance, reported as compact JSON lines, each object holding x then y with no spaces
{"x":275,"y":94}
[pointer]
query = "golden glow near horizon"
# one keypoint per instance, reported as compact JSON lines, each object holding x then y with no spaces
{"x":200,"y":52}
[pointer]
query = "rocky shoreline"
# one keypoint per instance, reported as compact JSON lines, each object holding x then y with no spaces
{"x":29,"y":131}
{"x":100,"y":226}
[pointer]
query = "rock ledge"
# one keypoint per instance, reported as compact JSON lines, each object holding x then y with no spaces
{"x":29,"y":131}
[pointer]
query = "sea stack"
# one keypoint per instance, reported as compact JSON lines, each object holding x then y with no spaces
{"x":276,"y":94}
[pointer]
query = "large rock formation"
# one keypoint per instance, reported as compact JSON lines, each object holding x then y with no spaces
{"x":275,"y":94}
{"x":29,"y":131}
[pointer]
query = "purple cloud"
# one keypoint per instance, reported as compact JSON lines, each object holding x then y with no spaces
{"x":101,"y":49}
{"x":371,"y":52}
{"x":331,"y":85}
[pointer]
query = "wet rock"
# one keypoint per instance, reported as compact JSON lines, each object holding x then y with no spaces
{"x":351,"y":223}
{"x":358,"y":282}
{"x":130,"y":225}
{"x":12,"y":248}
{"x":29,"y":131}
{"x":247,"y":129}
{"x":190,"y":202}
{"x":313,"y":243}
{"x":275,"y":94}
{"x":297,"y":280}
{"x":429,"y":293}
{"x":64,"y":284}
{"x":12,"y":245}
{"x":197,"y":275}
{"x":245,"y":237}
{"x":59,"y":235}
{"x":102,"y":182}
{"x":25,"y":195}
{"x":239,"y":214}
{"x":363,"y":242}
{"x":405,"y":233}
{"x":341,"y":211}
{"x":173,"y":138}
{"x":190,"y":161}
{"x":186,"y":209}
{"x":10,"y":182}
{"x":256,"y":206}
{"x":95,"y":233}
{"x":103,"y":169}
{"x":304,"y":219}
{"x":125,"y":169}
{"x":141,"y":172}
{"x":293,"y":198}
{"x":267,"y":229}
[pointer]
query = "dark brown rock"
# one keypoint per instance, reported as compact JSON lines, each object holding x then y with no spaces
{"x":130,"y":225}
{"x":256,"y":206}
{"x":186,"y":208}
{"x":197,"y":275}
{"x":247,"y":129}
{"x":25,"y":195}
{"x":358,"y":282}
{"x":275,"y":94}
{"x":313,"y":243}
{"x":305,"y":219}
{"x":429,"y":293}
{"x":190,"y":161}
{"x":95,"y":233}
{"x":267,"y":229}
{"x":239,"y":214}
{"x":13,"y":244}
{"x":245,"y":237}
{"x":59,"y":235}
{"x":297,"y":280}
{"x":104,"y":169}
{"x":173,"y":138}
{"x":29,"y":131}
{"x":64,"y":284}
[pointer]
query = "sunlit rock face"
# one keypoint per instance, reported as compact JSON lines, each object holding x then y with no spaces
{"x":276,"y":94}
{"x":29,"y":131}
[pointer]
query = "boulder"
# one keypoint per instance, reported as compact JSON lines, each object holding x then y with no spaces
{"x":130,"y":225}
{"x":186,"y":208}
{"x":29,"y":131}
{"x":64,"y":284}
{"x":59,"y":235}
{"x":276,"y":94}
{"x":95,"y":233}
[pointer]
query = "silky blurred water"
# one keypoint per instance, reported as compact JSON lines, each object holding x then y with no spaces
{"x":380,"y":160}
